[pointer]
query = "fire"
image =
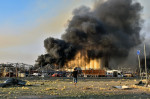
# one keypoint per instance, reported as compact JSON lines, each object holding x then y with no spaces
{"x":81,"y":60}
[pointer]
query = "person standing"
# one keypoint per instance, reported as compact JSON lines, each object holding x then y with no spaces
{"x":74,"y":74}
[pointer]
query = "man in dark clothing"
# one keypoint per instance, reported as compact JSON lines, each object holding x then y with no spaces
{"x":74,"y":74}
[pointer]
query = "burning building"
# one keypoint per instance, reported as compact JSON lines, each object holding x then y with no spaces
{"x":95,"y":36}
{"x":82,"y":61}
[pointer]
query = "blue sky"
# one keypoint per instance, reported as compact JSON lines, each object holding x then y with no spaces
{"x":27,"y":12}
{"x":24,"y":24}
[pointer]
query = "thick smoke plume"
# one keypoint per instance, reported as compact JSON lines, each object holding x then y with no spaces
{"x":111,"y":29}
{"x":58,"y":52}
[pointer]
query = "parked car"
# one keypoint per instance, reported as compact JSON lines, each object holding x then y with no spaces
{"x":59,"y":74}
{"x":114,"y":73}
{"x":36,"y":74}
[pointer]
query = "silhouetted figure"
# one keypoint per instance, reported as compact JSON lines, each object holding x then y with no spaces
{"x":74,"y":75}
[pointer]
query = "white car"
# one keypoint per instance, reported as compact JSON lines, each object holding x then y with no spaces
{"x":36,"y":74}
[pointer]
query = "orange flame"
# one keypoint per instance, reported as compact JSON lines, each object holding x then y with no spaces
{"x":84,"y":63}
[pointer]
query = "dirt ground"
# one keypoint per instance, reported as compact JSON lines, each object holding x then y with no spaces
{"x":62,"y":88}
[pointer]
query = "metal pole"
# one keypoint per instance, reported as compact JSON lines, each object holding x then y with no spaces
{"x":145,"y":64}
{"x":9,"y":72}
{"x":16,"y":70}
{"x":41,"y":70}
{"x":140,"y":66}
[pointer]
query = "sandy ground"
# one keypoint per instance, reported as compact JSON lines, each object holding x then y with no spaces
{"x":62,"y":88}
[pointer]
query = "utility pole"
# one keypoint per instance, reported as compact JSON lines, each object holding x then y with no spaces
{"x":41,"y":70}
{"x":139,"y":66}
{"x":145,"y":65}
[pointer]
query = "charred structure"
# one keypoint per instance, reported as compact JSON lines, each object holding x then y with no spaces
{"x":109,"y":30}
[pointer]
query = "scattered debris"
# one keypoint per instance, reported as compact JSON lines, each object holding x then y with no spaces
{"x":50,"y":89}
{"x":102,"y":88}
{"x":140,"y":83}
{"x":87,"y":88}
{"x":148,"y":83}
{"x":12,"y":81}
{"x":122,"y":87}
{"x":42,"y":83}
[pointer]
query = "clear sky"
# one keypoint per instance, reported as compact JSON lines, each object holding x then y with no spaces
{"x":24,"y":24}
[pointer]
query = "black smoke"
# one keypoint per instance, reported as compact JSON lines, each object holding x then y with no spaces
{"x":147,"y":63}
{"x":110,"y":29}
{"x":58,"y":52}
